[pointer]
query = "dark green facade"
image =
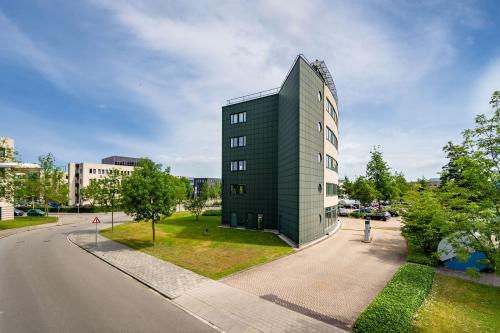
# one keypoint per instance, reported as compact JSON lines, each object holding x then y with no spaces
{"x":282,"y":170}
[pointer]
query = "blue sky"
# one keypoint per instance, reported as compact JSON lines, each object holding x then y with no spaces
{"x":89,"y":79}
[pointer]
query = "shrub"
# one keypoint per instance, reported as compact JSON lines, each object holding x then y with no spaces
{"x":212,"y":212}
{"x":419,"y":257}
{"x":358,"y":215}
{"x":395,"y":306}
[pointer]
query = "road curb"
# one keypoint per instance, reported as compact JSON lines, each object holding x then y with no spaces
{"x":143,"y":282}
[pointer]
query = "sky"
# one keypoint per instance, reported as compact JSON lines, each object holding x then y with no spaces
{"x":89,"y":79}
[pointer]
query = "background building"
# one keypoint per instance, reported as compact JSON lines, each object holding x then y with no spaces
{"x":198,"y":184}
{"x":120,"y":160}
{"x":9,"y":169}
{"x":80,"y":175}
{"x":279,"y":156}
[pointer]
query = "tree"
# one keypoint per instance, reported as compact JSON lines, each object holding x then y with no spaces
{"x":425,"y":221}
{"x":345,"y":191}
{"x":196,"y":205}
{"x":214,"y":191}
{"x":471,"y":187}
{"x":110,"y":187}
{"x":378,"y":172}
{"x":402,"y":186}
{"x":148,"y":193}
{"x":52,"y":186}
{"x":91,"y":192}
{"x":363,"y":191}
{"x":7,"y":175}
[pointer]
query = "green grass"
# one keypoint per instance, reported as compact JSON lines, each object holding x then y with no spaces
{"x":395,"y":306}
{"x":456,"y":305}
{"x":180,"y":239}
{"x":25,"y":221}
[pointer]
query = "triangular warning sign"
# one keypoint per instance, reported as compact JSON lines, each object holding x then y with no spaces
{"x":96,"y":220}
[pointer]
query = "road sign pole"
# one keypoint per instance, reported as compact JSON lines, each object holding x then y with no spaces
{"x":95,"y":234}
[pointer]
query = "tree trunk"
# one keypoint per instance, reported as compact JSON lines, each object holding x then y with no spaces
{"x":112,"y":219}
{"x":153,"y":226}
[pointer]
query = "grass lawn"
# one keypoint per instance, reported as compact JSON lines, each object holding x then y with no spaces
{"x":25,"y":221}
{"x":456,"y":305}
{"x":180,"y":239}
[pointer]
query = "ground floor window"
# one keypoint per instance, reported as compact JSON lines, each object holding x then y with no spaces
{"x":330,"y":217}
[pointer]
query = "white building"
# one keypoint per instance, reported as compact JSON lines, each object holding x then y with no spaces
{"x":80,"y":175}
{"x":9,"y":169}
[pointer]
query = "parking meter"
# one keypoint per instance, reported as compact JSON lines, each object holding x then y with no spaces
{"x":367,"y":229}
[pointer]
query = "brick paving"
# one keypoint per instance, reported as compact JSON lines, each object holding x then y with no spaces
{"x":225,"y":307}
{"x":334,"y":280}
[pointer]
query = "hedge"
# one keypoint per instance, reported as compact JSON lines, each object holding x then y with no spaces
{"x":395,"y":306}
{"x":212,"y":212}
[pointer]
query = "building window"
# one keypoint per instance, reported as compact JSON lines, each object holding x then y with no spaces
{"x":320,"y":127}
{"x":239,"y":118}
{"x":331,"y":110}
{"x":320,"y":158}
{"x":239,"y":165}
{"x":320,"y":217}
{"x":330,"y":136}
{"x":237,"y":189}
{"x":331,"y":189}
{"x":240,"y":141}
{"x":320,"y":188}
{"x":320,"y":97}
{"x":331,"y":163}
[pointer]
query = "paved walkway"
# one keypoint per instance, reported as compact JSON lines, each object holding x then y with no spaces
{"x":334,"y":280}
{"x":227,"y":308}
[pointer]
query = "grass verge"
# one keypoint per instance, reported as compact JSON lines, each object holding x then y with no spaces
{"x":26,"y":221}
{"x":457,"y":305}
{"x":182,"y":240}
{"x":395,"y":306}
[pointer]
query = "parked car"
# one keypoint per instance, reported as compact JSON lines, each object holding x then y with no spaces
{"x":363,"y":210}
{"x":380,"y":215}
{"x":343,"y":212}
{"x":36,"y":212}
{"x":18,"y":212}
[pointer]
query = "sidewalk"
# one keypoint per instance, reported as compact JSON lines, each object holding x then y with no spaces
{"x":225,"y":307}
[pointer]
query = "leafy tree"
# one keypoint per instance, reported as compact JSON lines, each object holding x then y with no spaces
{"x":52,"y":186}
{"x":7,"y":175}
{"x":110,"y":195}
{"x":378,"y":172}
{"x":345,"y":191}
{"x":425,"y":221}
{"x":180,"y":194}
{"x":363,"y":191}
{"x":148,"y":193}
{"x":401,"y":185}
{"x":471,"y":187}
{"x":214,"y":191}
{"x":196,"y":205}
{"x":92,"y":193}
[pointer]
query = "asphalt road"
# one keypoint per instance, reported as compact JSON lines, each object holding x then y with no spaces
{"x":48,"y":284}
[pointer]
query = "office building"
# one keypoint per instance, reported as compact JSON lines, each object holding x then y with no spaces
{"x":80,"y":175}
{"x":279,"y":156}
{"x":120,"y":160}
{"x":199,"y":183}
{"x":9,"y":170}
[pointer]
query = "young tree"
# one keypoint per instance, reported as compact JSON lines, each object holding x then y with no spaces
{"x":363,"y":191}
{"x":7,"y":175}
{"x":180,"y":194}
{"x":196,"y":205}
{"x":345,"y":191}
{"x":148,"y":193}
{"x":401,"y":185}
{"x":52,"y":186}
{"x":425,"y":221}
{"x":111,"y":192}
{"x":92,"y":192}
{"x":378,"y":172}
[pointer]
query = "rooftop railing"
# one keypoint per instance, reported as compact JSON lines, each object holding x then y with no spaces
{"x":253,"y":96}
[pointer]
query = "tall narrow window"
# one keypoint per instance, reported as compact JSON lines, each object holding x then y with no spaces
{"x":331,"y":110}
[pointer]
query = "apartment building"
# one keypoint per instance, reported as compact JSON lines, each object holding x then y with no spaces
{"x":81,"y":174}
{"x":279,"y":156}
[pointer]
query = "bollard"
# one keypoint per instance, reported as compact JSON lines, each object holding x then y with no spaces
{"x":367,"y":230}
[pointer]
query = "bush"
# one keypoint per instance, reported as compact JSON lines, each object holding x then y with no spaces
{"x":358,"y":215}
{"x":212,"y":212}
{"x":395,"y":306}
{"x":419,"y":257}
